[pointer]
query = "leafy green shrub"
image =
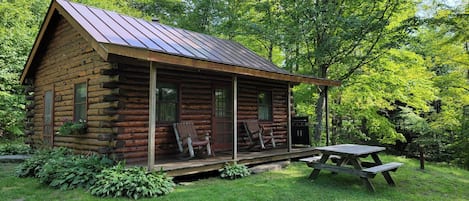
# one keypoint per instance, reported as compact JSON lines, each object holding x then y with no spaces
{"x":14,"y":148}
{"x":72,"y":171}
{"x":133,"y":182}
{"x":32,"y":166}
{"x":234,"y":171}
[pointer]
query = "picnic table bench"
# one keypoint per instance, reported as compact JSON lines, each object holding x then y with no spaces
{"x":346,"y":158}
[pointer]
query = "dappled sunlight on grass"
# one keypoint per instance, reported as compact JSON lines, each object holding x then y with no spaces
{"x":436,"y":182}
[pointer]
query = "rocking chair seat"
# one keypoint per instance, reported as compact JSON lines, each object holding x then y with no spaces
{"x":258,"y":135}
{"x":186,"y":136}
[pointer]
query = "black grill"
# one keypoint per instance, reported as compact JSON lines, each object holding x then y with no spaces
{"x":300,"y":131}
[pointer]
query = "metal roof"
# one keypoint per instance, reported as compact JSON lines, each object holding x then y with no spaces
{"x":113,"y":28}
{"x":110,"y":33}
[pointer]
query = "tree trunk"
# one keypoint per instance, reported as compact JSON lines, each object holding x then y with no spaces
{"x":422,"y":157}
{"x":336,"y":123}
{"x":319,"y":113}
{"x":320,"y":104}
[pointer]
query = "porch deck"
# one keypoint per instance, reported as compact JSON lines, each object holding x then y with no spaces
{"x":179,"y":167}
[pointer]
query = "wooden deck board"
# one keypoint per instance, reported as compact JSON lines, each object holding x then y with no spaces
{"x":178,"y":167}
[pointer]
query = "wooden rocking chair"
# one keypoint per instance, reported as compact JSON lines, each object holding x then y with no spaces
{"x":258,"y":135}
{"x":186,"y":136}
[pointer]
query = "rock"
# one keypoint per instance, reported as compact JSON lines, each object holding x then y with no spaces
{"x":269,"y":167}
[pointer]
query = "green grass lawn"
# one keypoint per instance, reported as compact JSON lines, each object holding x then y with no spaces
{"x":436,"y":182}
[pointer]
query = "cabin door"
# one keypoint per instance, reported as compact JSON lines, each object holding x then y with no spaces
{"x":48,"y":130}
{"x":222,"y":123}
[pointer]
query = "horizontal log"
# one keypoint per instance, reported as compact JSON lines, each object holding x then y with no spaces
{"x":132,"y":149}
{"x":133,"y":112}
{"x":122,"y":117}
{"x":110,"y":85}
{"x":137,"y":142}
{"x":106,"y":137}
{"x":140,"y":154}
{"x":105,"y":105}
{"x":76,"y":146}
{"x":101,"y":130}
{"x":104,"y":150}
{"x":80,"y":140}
{"x":131,"y":124}
{"x":102,"y":118}
{"x":109,"y":72}
{"x":132,"y":129}
{"x":110,"y":98}
{"x":136,"y":105}
{"x":118,"y":143}
{"x":128,"y":136}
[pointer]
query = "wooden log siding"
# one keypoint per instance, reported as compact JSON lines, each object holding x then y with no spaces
{"x":66,"y":60}
{"x":195,"y":104}
{"x":118,"y":99}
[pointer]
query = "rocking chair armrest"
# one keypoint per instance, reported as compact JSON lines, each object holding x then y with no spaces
{"x":270,"y":131}
{"x":186,"y":139}
{"x":207,"y":136}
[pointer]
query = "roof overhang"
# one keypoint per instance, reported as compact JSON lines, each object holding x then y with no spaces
{"x":148,"y":55}
{"x":106,"y":49}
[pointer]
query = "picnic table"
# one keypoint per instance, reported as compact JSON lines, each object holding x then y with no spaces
{"x":346,"y":158}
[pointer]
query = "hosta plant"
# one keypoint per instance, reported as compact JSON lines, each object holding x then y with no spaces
{"x":234,"y":171}
{"x":135,"y":183}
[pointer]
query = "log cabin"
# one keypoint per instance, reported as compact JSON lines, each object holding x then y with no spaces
{"x":130,"y":79}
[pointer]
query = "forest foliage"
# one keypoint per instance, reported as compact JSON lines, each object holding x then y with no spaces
{"x":404,"y":65}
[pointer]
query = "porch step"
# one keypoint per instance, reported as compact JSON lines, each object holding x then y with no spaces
{"x":269,"y":167}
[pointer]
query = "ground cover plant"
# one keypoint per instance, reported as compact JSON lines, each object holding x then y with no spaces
{"x":60,"y":168}
{"x":436,"y":182}
{"x":135,"y":182}
{"x":234,"y":171}
{"x":14,"y":149}
{"x":32,"y":166}
{"x":73,"y":171}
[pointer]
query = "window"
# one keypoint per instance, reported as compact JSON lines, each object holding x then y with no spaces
{"x":223,"y":102}
{"x":265,"y":105}
{"x":79,"y":107}
{"x":167,"y":102}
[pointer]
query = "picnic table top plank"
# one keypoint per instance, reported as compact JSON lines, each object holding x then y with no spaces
{"x":351,"y":149}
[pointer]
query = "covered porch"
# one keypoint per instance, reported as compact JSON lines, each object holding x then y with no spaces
{"x":224,"y":121}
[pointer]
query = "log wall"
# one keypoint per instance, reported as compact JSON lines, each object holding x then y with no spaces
{"x":65,"y":60}
{"x":117,"y":114}
{"x":195,"y":104}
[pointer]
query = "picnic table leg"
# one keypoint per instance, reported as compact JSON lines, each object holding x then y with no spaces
{"x":340,"y":162}
{"x":386,"y":174}
{"x":356,"y":164}
{"x":316,"y":171}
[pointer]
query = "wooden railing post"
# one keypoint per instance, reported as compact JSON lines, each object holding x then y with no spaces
{"x":152,"y":117}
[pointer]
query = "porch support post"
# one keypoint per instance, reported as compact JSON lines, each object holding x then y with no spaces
{"x":326,"y":93}
{"x":152,"y":117}
{"x":289,"y":117}
{"x":235,"y":118}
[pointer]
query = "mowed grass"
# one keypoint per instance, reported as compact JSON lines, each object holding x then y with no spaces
{"x":436,"y":182}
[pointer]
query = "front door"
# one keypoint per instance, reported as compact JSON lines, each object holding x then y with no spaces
{"x":48,"y":130}
{"x":222,"y":122}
